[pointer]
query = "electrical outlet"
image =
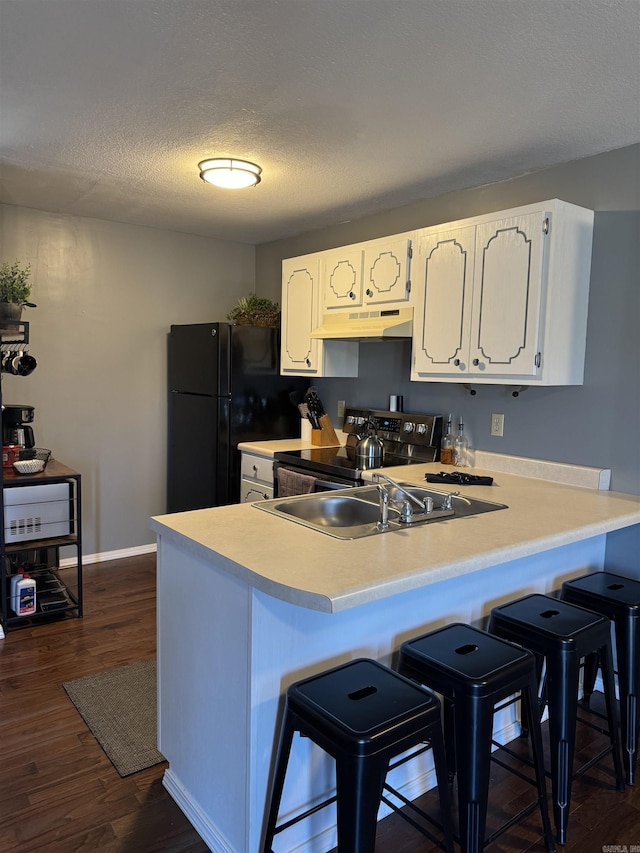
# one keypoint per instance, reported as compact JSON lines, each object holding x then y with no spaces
{"x":497,"y":425}
{"x":341,"y":407}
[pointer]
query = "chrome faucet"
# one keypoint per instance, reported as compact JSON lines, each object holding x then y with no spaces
{"x":420,"y":504}
{"x":406,"y":513}
{"x":383,"y":521}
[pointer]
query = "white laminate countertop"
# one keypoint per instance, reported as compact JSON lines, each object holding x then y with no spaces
{"x":278,"y":445}
{"x":313,"y":570}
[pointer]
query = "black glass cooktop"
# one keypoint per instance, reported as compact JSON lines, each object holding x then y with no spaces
{"x":341,"y":461}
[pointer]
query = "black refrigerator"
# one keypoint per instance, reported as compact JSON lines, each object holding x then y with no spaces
{"x":224,"y":387}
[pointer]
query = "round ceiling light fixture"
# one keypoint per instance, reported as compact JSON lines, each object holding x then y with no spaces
{"x":229,"y":173}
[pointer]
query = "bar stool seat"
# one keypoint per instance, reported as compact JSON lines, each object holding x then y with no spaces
{"x":473,"y":671}
{"x":561,"y":634}
{"x":618,"y":598}
{"x":363,"y":714}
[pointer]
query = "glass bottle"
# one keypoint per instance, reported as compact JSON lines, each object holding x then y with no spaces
{"x":460,"y":448}
{"x":446,"y":446}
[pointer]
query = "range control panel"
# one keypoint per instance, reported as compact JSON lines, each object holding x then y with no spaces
{"x":421,"y":429}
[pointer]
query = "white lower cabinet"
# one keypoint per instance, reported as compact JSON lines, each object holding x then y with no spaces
{"x":257,"y":478}
{"x":504,"y":297}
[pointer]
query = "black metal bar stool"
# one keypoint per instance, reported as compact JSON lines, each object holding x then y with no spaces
{"x":618,"y":598}
{"x":474,"y":671}
{"x":363,"y":714}
{"x":560,"y":635}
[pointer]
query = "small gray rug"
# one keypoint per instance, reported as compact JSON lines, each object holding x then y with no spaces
{"x":119,"y":706}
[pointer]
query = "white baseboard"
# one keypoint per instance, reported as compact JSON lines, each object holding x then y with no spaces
{"x":194,"y":814}
{"x":105,"y":556}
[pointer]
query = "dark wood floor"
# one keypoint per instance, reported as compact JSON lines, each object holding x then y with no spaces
{"x":60,"y":793}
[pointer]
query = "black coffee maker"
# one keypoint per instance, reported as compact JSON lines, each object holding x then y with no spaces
{"x":16,"y":427}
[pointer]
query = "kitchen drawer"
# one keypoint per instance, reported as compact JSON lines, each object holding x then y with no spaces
{"x":251,"y":491}
{"x":257,"y":468}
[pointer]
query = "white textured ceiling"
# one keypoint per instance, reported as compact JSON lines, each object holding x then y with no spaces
{"x":350,"y":106}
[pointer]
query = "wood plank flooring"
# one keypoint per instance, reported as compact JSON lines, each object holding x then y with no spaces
{"x":60,"y":793}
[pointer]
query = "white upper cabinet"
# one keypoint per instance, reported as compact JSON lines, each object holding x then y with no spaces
{"x":503,"y":298}
{"x":443,"y":314}
{"x":342,"y":277}
{"x":387,"y":271}
{"x":367,"y":274}
{"x":300,"y":354}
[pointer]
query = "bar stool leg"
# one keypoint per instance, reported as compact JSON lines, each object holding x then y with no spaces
{"x":563,"y":707}
{"x":282,"y":760}
{"x":531,"y":718}
{"x":589,"y":675}
{"x":606,"y":663}
{"x":627,"y":641}
{"x":473,"y":731}
{"x":359,"y":786}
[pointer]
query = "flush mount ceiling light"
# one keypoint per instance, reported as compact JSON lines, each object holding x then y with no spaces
{"x":229,"y":173}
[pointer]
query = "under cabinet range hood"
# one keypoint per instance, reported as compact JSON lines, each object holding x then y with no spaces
{"x":379,"y":324}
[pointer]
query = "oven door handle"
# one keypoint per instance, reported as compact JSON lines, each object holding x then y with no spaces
{"x":325,"y":485}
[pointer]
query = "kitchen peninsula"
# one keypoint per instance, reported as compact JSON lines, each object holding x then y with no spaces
{"x":248,"y":603}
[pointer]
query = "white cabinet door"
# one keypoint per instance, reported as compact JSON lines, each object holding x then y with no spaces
{"x":387,"y":271}
{"x":506,"y":296}
{"x":503,"y":298}
{"x":342,"y":277}
{"x":443,"y":313}
{"x":300,"y":354}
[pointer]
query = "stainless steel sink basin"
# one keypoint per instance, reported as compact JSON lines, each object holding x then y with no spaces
{"x":354,"y":513}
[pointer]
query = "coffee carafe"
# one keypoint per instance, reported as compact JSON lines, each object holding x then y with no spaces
{"x":16,"y":427}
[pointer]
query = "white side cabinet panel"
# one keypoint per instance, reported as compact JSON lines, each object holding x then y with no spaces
{"x":503,"y":298}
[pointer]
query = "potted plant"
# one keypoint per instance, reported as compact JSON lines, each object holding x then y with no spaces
{"x":255,"y":310}
{"x":15,"y":290}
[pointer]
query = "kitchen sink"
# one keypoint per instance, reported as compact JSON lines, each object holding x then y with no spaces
{"x":353,"y":513}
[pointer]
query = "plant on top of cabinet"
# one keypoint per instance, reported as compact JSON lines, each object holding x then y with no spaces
{"x":255,"y":310}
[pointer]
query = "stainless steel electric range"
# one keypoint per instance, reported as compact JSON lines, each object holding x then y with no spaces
{"x":408,"y":438}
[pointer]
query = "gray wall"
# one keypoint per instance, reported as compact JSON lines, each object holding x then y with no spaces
{"x":106,"y":295}
{"x":585,"y":424}
{"x":595,"y":424}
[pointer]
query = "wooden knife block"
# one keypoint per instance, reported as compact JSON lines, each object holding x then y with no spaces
{"x":326,"y":436}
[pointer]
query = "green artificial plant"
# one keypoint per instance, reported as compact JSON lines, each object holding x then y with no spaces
{"x":15,"y":286}
{"x":255,"y":310}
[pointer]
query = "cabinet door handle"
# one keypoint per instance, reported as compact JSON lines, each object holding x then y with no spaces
{"x":308,"y":361}
{"x":352,"y":295}
{"x":476,"y":362}
{"x":456,"y":361}
{"x":369,"y":292}
{"x":255,"y":468}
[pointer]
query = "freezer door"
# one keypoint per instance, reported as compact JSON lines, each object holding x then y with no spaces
{"x":198,"y":361}
{"x":192,"y":475}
